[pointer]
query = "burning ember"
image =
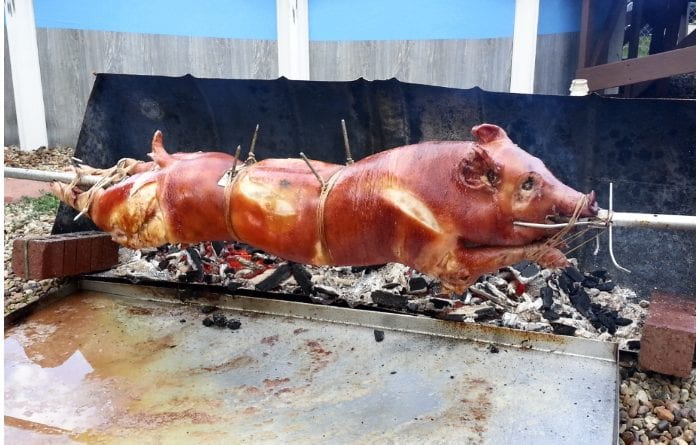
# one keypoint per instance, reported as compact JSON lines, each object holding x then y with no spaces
{"x":565,"y":302}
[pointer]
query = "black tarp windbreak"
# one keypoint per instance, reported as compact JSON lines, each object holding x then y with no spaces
{"x":646,"y":147}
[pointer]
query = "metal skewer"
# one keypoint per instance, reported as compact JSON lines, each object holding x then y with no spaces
{"x":49,"y":176}
{"x":621,"y":219}
{"x":346,"y":141}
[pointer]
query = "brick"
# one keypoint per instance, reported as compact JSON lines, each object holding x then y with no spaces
{"x":63,"y":255}
{"x":105,"y":253}
{"x":70,"y":256}
{"x":43,"y":256}
{"x":668,"y":335}
{"x":19,"y":252}
{"x":83,"y":254}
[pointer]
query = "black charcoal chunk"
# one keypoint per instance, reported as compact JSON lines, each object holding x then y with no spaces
{"x":378,"y":335}
{"x":440,"y":303}
{"x":606,"y":287}
{"x":391,"y":285}
{"x":194,"y":276}
{"x":163,"y":264}
{"x":233,"y":324}
{"x":219,"y":319}
{"x":547,"y":296}
{"x":389,"y":299}
{"x":366,"y":269}
{"x":218,"y":246}
{"x":634,"y":344}
{"x":280,"y":274}
{"x":493,"y":349}
{"x":602,"y":274}
{"x":195,"y":257}
{"x":608,"y":322}
{"x":581,"y":301}
{"x":550,"y":315}
{"x":208,"y":322}
{"x":527,"y":268}
{"x":566,"y":284}
{"x":303,"y":278}
{"x":622,"y":321}
{"x":589,"y":282}
{"x":418,"y":284}
{"x":563,"y":329}
{"x":487,"y":313}
{"x":574,"y":274}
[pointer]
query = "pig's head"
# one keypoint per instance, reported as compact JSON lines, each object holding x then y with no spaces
{"x":518,"y":186}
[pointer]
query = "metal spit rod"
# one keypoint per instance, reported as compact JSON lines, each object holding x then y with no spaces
{"x":49,"y":176}
{"x":622,"y":219}
{"x":651,"y":220}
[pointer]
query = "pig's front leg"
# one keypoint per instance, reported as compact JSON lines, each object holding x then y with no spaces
{"x":466,"y":264}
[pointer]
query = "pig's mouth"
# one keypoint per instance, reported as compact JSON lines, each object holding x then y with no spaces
{"x":567,"y":215}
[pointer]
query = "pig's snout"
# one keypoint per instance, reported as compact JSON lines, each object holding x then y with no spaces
{"x":592,"y":208}
{"x":568,"y":206}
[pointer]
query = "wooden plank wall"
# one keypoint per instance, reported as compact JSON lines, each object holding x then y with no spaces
{"x":69,"y":57}
{"x":450,"y":63}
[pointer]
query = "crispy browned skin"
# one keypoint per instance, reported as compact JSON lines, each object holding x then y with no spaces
{"x":443,"y":208}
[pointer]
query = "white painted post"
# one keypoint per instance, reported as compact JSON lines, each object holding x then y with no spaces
{"x":522,"y":72}
{"x":293,"y":39}
{"x":26,"y":77}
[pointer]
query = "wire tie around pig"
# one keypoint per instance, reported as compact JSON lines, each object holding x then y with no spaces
{"x":320,"y":213}
{"x":228,"y":190}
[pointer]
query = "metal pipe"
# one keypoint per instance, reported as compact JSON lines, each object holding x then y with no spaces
{"x":49,"y":176}
{"x":622,"y":219}
{"x":650,"y":220}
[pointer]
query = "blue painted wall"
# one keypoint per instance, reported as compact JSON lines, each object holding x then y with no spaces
{"x":328,"y":19}
{"x":238,"y":19}
{"x":404,"y":20}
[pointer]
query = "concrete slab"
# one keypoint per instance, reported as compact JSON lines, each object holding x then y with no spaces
{"x":16,"y":189}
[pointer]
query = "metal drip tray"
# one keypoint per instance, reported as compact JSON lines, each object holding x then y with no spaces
{"x":116,"y":363}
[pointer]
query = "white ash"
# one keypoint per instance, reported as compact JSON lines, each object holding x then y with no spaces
{"x":507,"y":298}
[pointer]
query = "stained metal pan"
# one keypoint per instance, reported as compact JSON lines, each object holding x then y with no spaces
{"x":119,"y":363}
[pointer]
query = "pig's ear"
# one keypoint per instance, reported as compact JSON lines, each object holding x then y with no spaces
{"x":479,"y":171}
{"x":486,"y":133}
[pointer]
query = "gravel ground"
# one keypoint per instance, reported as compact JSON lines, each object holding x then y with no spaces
{"x":654,"y":409}
{"x":30,"y":217}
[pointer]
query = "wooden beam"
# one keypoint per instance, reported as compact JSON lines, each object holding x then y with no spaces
{"x":26,"y":77}
{"x":656,"y":66}
{"x":293,"y":39}
{"x":522,"y":68}
{"x":583,"y":33}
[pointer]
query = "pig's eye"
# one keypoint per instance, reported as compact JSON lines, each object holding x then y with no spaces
{"x":529,"y":182}
{"x":492,"y":177}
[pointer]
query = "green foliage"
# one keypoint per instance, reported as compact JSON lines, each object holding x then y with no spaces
{"x":46,"y":203}
{"x":644,"y":43}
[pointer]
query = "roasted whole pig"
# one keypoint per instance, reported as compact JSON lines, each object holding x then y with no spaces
{"x":443,"y":208}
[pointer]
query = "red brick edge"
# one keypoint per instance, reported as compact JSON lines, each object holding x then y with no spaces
{"x":54,"y":256}
{"x":668,"y":335}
